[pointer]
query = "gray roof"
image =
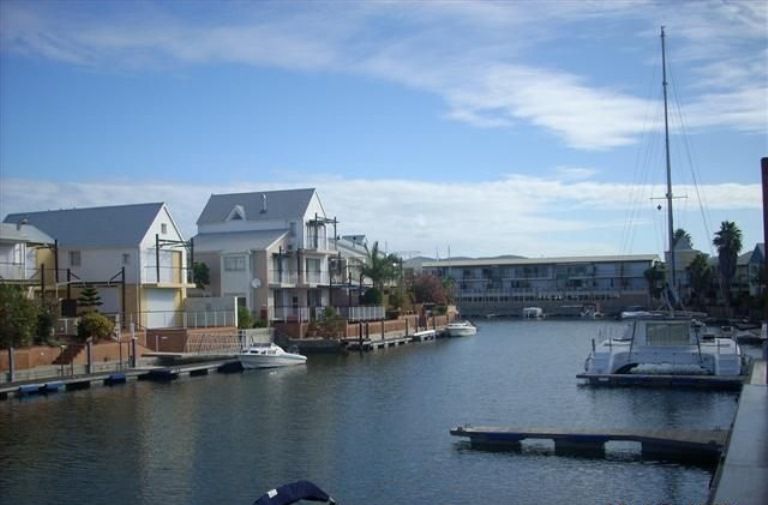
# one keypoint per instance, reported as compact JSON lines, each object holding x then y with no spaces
{"x":283,"y":204}
{"x":506,"y":261}
{"x":122,"y":225}
{"x":237,"y":241}
{"x":26,"y":233}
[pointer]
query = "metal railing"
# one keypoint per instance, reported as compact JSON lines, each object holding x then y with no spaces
{"x":179,"y":319}
{"x":362,"y":313}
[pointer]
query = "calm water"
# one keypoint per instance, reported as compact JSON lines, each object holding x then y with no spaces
{"x":369,"y":429}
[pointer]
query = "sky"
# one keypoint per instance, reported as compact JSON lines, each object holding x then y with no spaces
{"x":439,"y":128}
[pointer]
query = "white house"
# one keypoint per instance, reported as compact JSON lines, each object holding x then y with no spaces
{"x":19,"y":247}
{"x":134,"y":255}
{"x":273,"y":250}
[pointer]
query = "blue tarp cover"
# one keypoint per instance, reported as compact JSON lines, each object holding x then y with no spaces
{"x":291,"y":493}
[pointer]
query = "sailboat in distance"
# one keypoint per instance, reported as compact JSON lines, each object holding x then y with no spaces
{"x":665,"y":342}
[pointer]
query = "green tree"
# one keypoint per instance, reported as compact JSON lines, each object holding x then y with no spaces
{"x":89,"y":299}
{"x":201,"y":274}
{"x":701,"y":275}
{"x":655,"y":277}
{"x":18,"y":317}
{"x":728,"y":243}
{"x":94,"y":325}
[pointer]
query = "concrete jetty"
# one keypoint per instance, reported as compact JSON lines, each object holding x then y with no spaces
{"x":695,"y":445}
{"x":742,"y":476}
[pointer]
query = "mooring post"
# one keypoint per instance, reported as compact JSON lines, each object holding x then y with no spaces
{"x":11,"y":366}
{"x":382,"y":329}
{"x":133,"y":352}
{"x":89,"y":356}
{"x":406,"y":327}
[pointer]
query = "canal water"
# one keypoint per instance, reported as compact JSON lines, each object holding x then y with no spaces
{"x":368,"y":428}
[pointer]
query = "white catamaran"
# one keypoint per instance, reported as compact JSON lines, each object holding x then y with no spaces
{"x":666,"y":343}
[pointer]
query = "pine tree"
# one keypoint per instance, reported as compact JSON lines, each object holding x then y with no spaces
{"x":89,"y":299}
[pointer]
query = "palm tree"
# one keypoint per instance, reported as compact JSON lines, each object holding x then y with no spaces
{"x":681,"y":237}
{"x":728,"y":243}
{"x":379,"y":267}
{"x":655,"y":277}
{"x":701,"y":275}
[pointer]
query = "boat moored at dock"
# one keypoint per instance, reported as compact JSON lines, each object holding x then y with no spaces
{"x":269,"y":356}
{"x":460,"y":329}
{"x":668,"y":346}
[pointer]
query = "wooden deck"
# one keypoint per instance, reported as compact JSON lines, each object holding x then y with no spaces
{"x":695,"y":445}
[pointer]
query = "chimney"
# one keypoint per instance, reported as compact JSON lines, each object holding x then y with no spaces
{"x":263,"y":203}
{"x":21,"y":223}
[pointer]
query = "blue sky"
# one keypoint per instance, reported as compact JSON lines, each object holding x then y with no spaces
{"x":491,"y":128}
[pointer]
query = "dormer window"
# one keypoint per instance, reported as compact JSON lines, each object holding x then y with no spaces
{"x":236,"y":214}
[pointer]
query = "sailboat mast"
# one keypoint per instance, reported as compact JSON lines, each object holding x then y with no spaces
{"x":670,"y":224}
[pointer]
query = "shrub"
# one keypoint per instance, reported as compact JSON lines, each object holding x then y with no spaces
{"x":244,"y":318}
{"x":95,"y":325}
{"x":18,"y":317}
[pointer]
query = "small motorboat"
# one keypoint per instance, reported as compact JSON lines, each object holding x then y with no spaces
{"x":269,"y":356}
{"x":533,"y":313}
{"x":460,"y":329}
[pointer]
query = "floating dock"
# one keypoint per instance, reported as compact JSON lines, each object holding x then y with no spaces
{"x":690,"y":445}
{"x":670,"y":380}
{"x":156,"y":374}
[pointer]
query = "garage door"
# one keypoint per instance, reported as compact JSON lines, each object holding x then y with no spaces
{"x":161,"y":310}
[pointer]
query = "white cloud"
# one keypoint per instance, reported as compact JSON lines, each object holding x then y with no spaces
{"x":532,"y":216}
{"x":480,"y":57}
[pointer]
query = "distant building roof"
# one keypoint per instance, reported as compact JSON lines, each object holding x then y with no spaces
{"x":121,"y":225}
{"x":26,"y":233}
{"x":257,"y":206}
{"x":237,"y":241}
{"x":538,"y":261}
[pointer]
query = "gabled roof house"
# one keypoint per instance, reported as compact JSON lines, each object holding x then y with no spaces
{"x":134,"y":254}
{"x":270,"y":249}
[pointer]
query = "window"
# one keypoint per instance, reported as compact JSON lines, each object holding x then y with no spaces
{"x":74,"y":258}
{"x":234,"y":264}
{"x":164,"y":228}
{"x":126,"y":259}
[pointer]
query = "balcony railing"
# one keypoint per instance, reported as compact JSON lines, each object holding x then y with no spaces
{"x":278,"y":277}
{"x":17,"y":272}
{"x":168,"y":274}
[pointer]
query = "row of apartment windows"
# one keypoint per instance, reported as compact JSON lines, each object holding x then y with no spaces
{"x":539,"y":298}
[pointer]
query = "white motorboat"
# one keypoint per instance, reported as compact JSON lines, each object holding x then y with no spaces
{"x":667,"y":346}
{"x":460,"y":329}
{"x":269,"y":356}
{"x":533,"y":313}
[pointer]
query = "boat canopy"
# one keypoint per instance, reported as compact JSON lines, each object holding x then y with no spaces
{"x":293,"y":492}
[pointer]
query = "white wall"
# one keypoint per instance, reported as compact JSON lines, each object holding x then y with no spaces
{"x":99,"y":265}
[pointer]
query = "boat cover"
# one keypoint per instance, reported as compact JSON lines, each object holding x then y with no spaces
{"x":293,"y":492}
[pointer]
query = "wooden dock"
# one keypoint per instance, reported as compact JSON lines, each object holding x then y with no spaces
{"x":156,"y":374}
{"x":664,"y":380}
{"x":691,"y":445}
